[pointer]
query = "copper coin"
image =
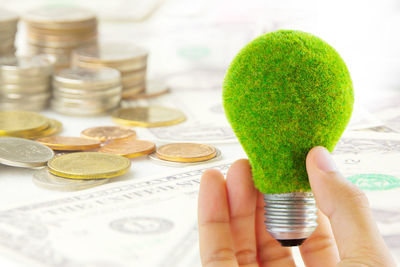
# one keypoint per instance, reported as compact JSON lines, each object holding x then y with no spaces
{"x":107,"y":133}
{"x":129,"y":148}
{"x":69,"y":143}
{"x":186,"y":152}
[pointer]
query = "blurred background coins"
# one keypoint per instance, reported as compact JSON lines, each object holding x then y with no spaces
{"x":79,"y":91}
{"x":152,"y":116}
{"x":89,"y":165}
{"x":153,"y":89}
{"x":65,"y":143}
{"x":43,"y":178}
{"x":27,"y":124}
{"x":130,"y":60}
{"x":25,"y":82}
{"x":57,"y":30}
{"x":108,"y":133}
{"x":24,"y":153}
{"x":8,"y":29}
{"x":129,"y":148}
{"x":186,"y":152}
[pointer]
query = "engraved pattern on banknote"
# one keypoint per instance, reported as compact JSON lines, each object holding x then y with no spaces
{"x":142,"y":225}
{"x":358,"y":146}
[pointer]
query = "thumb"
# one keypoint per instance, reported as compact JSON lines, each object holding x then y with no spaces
{"x":347,"y":208}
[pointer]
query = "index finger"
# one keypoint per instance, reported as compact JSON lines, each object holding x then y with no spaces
{"x":216,"y":246}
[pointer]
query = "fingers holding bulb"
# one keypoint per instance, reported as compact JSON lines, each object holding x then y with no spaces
{"x":216,"y":247}
{"x":347,"y":208}
{"x":242,"y":198}
{"x":321,"y":245}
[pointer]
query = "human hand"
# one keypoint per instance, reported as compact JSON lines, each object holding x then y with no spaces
{"x":232,"y":230}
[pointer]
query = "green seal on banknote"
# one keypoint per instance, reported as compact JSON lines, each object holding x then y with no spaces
{"x":374,"y":181}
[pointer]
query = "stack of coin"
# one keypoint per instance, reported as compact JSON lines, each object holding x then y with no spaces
{"x":88,"y":165}
{"x":57,"y":30}
{"x":80,"y":170}
{"x":82,"y":92}
{"x":8,"y":29}
{"x":25,"y":82}
{"x":130,"y":60}
{"x":28,"y":125}
{"x":181,"y":154}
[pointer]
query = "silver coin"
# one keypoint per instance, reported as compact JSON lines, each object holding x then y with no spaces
{"x":27,"y":97}
{"x":25,"y":153}
{"x":133,"y":90}
{"x":43,"y":178}
{"x":154,"y":88}
{"x":111,"y":53}
{"x":87,"y":77}
{"x":87,"y":103}
{"x":24,"y":79}
{"x":92,"y":40}
{"x":74,"y":111}
{"x":6,"y":105}
{"x":7,"y":17}
{"x":89,"y":94}
{"x":58,"y":14}
{"x":122,"y":67}
{"x":31,"y":65}
{"x":16,"y":88}
{"x":152,"y":156}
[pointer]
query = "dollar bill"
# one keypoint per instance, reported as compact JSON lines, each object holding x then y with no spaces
{"x":206,"y":121}
{"x":141,"y":223}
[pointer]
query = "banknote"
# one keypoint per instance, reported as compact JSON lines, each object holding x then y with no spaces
{"x":370,"y":160}
{"x":361,"y":118}
{"x":145,"y":222}
{"x":141,"y":223}
{"x":206,"y":121}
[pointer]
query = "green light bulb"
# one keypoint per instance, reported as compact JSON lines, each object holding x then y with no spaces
{"x":284,"y":93}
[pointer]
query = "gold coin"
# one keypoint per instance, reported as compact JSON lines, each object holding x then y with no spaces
{"x":89,"y":165}
{"x":54,"y":128}
{"x":68,"y":143}
{"x":186,"y":152}
{"x":153,"y":116}
{"x":107,"y":133}
{"x":14,"y":123}
{"x":129,"y":148}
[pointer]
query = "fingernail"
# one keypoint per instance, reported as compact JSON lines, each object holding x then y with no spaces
{"x":324,"y":160}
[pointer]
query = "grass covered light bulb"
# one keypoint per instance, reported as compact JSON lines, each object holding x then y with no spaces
{"x":284,"y":93}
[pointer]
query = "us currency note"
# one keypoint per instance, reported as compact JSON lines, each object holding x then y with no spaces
{"x":206,"y":121}
{"x":140,"y":223}
{"x":152,"y":222}
{"x":371,"y":161}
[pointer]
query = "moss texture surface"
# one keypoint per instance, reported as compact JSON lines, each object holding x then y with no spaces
{"x":284,"y":93}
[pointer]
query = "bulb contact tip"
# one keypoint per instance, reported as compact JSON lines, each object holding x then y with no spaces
{"x":290,"y":217}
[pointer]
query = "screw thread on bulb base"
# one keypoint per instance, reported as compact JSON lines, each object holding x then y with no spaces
{"x":290,"y":217}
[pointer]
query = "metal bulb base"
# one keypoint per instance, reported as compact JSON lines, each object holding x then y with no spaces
{"x":290,"y":217}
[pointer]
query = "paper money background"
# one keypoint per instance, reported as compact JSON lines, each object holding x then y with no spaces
{"x":148,"y":216}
